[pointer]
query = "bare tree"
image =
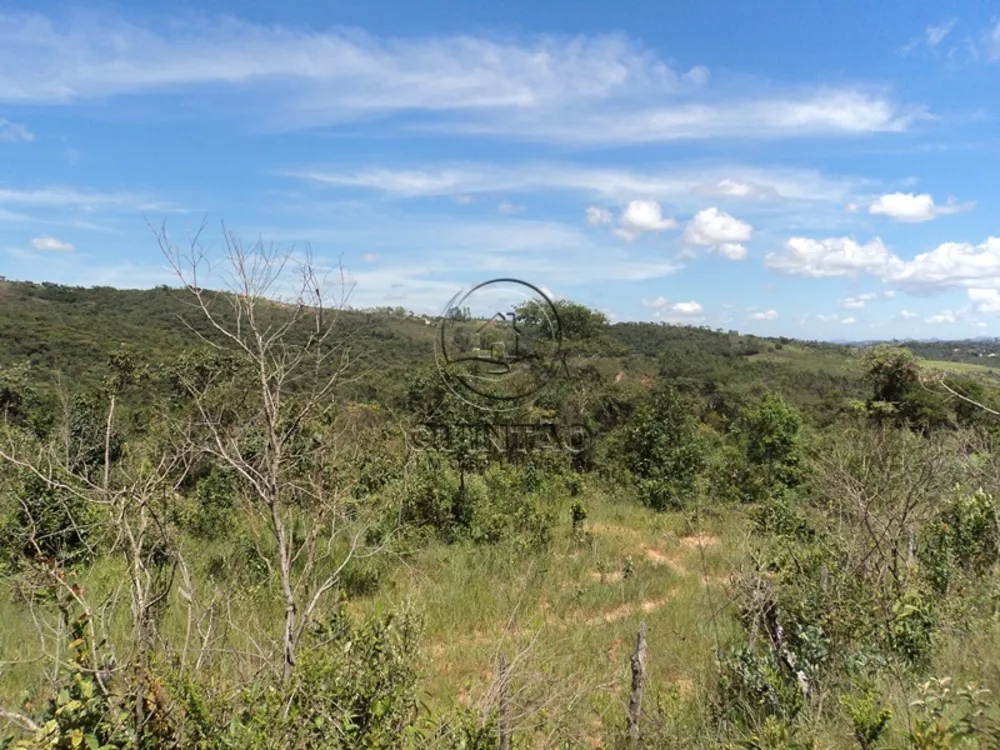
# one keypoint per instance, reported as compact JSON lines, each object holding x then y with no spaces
{"x":281,"y":428}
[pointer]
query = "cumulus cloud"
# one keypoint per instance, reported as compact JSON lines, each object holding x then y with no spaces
{"x":907,"y":207}
{"x":14,"y":131}
{"x":908,"y":314}
{"x":849,"y":321}
{"x":951,"y":265}
{"x":719,"y":231}
{"x":985,"y":300}
{"x":827,"y":317}
{"x":678,"y":312}
{"x":643,"y":216}
{"x":944,"y":318}
{"x":832,"y":257}
{"x":765,"y":315}
{"x":598,"y":216}
{"x":46,"y":243}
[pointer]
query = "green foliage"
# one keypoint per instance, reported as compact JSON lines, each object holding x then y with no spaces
{"x":963,"y":539}
{"x":869,"y":717}
{"x":357,"y":684}
{"x":21,"y":405}
{"x":775,"y":734}
{"x":768,"y":457}
{"x":82,"y":713}
{"x":891,"y":371}
{"x":663,"y":450}
{"x":485,"y":508}
{"x":210,"y":510}
{"x":752,"y":687}
{"x":948,"y":719}
{"x":39,"y":519}
{"x":577,"y":322}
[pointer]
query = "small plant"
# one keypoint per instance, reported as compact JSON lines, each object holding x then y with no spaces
{"x":869,"y":718}
{"x":579,"y":515}
{"x":947,"y":718}
{"x":774,"y":734}
{"x":628,"y":569}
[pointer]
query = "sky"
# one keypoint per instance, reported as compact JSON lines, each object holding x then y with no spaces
{"x":809,"y":169}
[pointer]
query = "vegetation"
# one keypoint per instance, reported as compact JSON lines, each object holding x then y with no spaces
{"x":232,"y":521}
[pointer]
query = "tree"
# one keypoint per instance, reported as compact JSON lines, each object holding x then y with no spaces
{"x":274,"y":419}
{"x":663,"y":451}
{"x":576,"y":322}
{"x":769,"y":434}
{"x":891,"y":371}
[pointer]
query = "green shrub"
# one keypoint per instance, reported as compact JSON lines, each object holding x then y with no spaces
{"x":663,"y":450}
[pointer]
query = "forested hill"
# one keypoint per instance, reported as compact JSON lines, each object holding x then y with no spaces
{"x":72,"y":331}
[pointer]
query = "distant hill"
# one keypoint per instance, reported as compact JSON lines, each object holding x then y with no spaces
{"x":73,"y":330}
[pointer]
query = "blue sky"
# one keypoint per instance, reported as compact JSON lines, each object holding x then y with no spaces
{"x":821,"y":170}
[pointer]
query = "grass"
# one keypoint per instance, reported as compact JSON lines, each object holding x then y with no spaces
{"x":566,"y":615}
{"x":965,"y":368}
{"x":574,"y":609}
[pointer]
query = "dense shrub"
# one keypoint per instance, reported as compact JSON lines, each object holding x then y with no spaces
{"x":663,"y":450}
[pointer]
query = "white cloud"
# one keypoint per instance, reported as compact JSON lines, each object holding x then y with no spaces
{"x":643,"y":216}
{"x":985,"y":300}
{"x":889,"y":293}
{"x":908,"y":207}
{"x":766,"y":315}
{"x":858,"y":302}
{"x":936,"y":34}
{"x":681,"y":186}
{"x":47,"y":243}
{"x":816,"y":113}
{"x":370,"y":257}
{"x":849,"y":321}
{"x":827,"y":317}
{"x":463,"y":200}
{"x":576,"y":89}
{"x":732,"y":250}
{"x":945,"y":318}
{"x":13,"y":131}
{"x":907,"y":314}
{"x":598,"y":216}
{"x":951,"y":265}
{"x":720,"y":231}
{"x":727,"y":188}
{"x":509,"y":208}
{"x":836,"y":256}
{"x":682,"y":312}
{"x":687,"y":308}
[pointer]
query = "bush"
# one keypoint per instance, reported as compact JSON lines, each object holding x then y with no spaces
{"x":663,"y":450}
{"x":44,"y":521}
